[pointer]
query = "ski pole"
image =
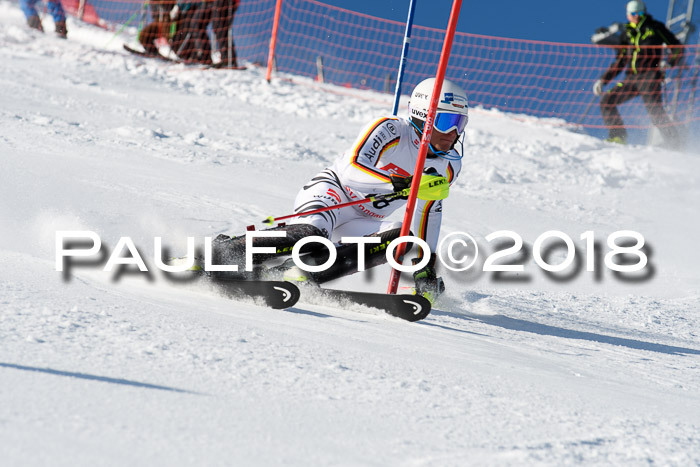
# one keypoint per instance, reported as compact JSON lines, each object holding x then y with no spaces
{"x":124,"y":26}
{"x":432,"y":187}
{"x":369,"y":199}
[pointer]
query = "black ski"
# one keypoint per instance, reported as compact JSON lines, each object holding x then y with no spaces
{"x":408,"y":307}
{"x":276,"y":294}
{"x":222,"y":66}
{"x":150,"y":55}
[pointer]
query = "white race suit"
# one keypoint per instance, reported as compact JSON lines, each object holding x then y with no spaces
{"x":387,"y":146}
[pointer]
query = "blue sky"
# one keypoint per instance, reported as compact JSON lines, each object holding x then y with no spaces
{"x":571,"y":21}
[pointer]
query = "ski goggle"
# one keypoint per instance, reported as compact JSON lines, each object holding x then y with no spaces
{"x":446,"y":122}
{"x":418,"y":125}
{"x":636,"y":13}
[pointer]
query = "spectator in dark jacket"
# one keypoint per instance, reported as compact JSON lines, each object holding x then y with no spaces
{"x":185,"y":27}
{"x":222,"y":21}
{"x":160,"y":25}
{"x":644,"y":60}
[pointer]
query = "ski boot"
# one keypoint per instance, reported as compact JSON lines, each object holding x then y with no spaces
{"x":35,"y":23}
{"x":61,"y":30}
{"x":428,"y":284}
{"x":617,"y":140}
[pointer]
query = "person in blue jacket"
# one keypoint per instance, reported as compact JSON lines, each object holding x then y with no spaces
{"x":55,"y":9}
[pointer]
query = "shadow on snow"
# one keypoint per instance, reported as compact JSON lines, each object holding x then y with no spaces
{"x":514,"y":324}
{"x":103,"y":379}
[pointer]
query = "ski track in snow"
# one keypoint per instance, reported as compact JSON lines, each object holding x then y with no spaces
{"x":527,"y":371}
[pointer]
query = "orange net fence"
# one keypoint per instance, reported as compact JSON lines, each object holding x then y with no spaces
{"x":543,"y":79}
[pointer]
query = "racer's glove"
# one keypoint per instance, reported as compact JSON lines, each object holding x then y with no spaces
{"x":433,"y":186}
{"x":399,"y":182}
{"x":427,"y":283}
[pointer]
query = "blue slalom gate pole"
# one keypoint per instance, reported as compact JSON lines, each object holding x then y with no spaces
{"x":404,"y":55}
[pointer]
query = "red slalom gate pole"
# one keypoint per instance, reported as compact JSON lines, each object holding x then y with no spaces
{"x":273,"y":39}
{"x":425,"y":141}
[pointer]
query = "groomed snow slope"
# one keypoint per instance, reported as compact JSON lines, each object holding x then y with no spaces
{"x":98,"y":371}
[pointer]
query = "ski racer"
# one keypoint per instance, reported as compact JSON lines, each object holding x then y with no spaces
{"x":643,"y":57}
{"x":380,"y":161}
